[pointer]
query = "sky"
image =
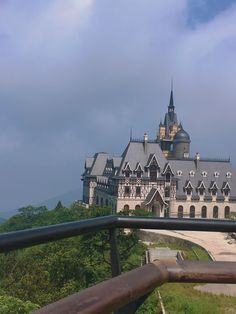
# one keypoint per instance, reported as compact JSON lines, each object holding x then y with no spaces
{"x":76,"y":75}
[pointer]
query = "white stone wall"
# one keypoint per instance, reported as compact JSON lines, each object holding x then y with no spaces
{"x":130,"y":202}
{"x":198,"y":207}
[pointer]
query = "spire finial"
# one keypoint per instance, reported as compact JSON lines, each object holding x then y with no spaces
{"x":171,"y":104}
{"x":131,"y":134}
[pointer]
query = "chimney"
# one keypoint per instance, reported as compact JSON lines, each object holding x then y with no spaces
{"x":197,"y":159}
{"x":145,"y":141}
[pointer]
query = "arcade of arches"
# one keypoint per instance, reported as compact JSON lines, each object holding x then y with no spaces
{"x":191,"y":213}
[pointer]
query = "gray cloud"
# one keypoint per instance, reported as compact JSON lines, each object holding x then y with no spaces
{"x":76,"y":75}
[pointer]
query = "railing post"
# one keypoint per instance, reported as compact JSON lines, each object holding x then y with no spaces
{"x":115,"y":259}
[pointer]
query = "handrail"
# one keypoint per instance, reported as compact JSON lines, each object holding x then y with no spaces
{"x":29,"y":237}
{"x":20,"y":239}
{"x":137,"y":284}
{"x":117,"y":292}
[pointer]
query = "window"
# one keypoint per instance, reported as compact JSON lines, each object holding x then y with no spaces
{"x":228,"y":175}
{"x":192,"y":212}
{"x":101,"y":201}
{"x":153,"y":173}
{"x":226,"y":192}
{"x":213,"y":192}
{"x":139,"y":174}
{"x":189,"y":191}
{"x":126,"y":207}
{"x":201,"y":191}
{"x":227,"y":212}
{"x":204,"y":174}
{"x":137,"y":207}
{"x":127,"y":190}
{"x":180,"y":211}
{"x":97,"y":200}
{"x":215,"y":212}
{"x":127,"y":174}
{"x":179,"y":173}
{"x":204,"y":212}
{"x":167,"y":192}
{"x":106,"y":202}
{"x":168,"y":177}
{"x":216,"y":174}
{"x":138,"y":190}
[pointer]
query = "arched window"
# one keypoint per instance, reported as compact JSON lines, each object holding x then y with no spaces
{"x":137,"y":207}
{"x":215,"y":212}
{"x":126,"y":207}
{"x":227,"y":212}
{"x":204,"y":212}
{"x":102,"y":201}
{"x":180,"y":211}
{"x":192,"y":212}
{"x":153,"y":173}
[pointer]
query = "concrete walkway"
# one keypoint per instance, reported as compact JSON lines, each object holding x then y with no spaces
{"x":220,"y":246}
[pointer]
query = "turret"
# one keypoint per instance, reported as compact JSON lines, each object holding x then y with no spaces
{"x":181,"y":144}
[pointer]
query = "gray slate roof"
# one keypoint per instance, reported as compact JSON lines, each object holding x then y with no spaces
{"x":208,"y":166}
{"x":135,"y":153}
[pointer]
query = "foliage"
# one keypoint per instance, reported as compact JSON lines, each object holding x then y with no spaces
{"x":11,"y":305}
{"x":42,"y":274}
{"x":45,"y":273}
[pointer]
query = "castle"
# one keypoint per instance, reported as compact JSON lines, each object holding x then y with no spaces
{"x":160,"y":176}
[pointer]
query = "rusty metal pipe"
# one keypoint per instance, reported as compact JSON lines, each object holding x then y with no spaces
{"x":210,"y":272}
{"x":113,"y":294}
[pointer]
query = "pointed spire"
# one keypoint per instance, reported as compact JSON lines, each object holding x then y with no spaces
{"x":171,"y":104}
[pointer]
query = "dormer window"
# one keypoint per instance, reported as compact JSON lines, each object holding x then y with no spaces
{"x":228,"y":175}
{"x":213,"y":188}
{"x":127,"y":174}
{"x":138,"y":170}
{"x":168,"y":177}
{"x":153,"y":167}
{"x":179,"y":173}
{"x":192,"y":173}
{"x":204,"y":174}
{"x":127,"y":170}
{"x":226,"y":189}
{"x":167,"y":172}
{"x":213,"y":192}
{"x":139,"y":174}
{"x":189,"y":191}
{"x":201,"y":188}
{"x":188,"y":188}
{"x":216,"y":174}
{"x":153,"y":173}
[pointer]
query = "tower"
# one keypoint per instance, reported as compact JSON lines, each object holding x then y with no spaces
{"x":181,"y":144}
{"x":169,"y":128}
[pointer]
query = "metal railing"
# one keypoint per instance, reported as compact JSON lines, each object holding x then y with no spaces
{"x":126,"y":292}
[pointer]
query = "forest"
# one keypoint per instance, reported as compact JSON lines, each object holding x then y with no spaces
{"x":42,"y":274}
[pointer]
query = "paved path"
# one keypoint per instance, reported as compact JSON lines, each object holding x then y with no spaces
{"x":219,"y":245}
